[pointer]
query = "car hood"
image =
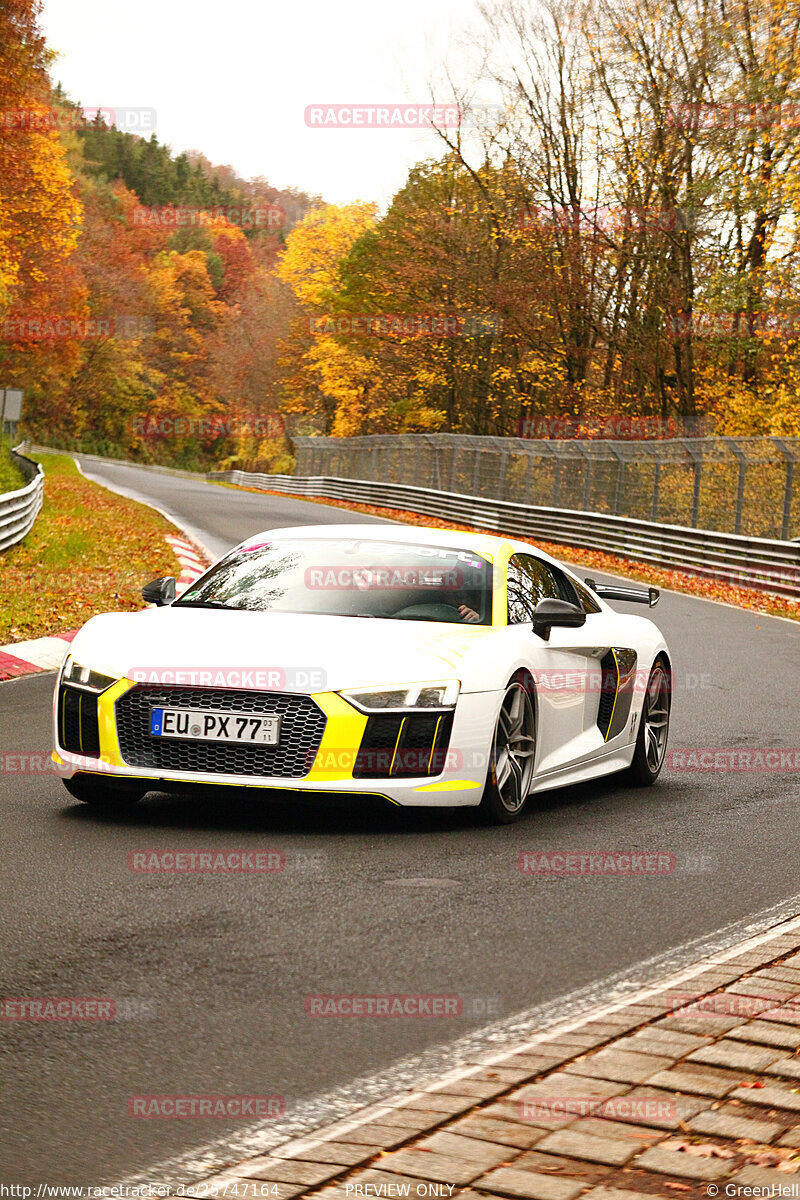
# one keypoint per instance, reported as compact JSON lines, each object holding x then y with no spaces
{"x":304,"y":652}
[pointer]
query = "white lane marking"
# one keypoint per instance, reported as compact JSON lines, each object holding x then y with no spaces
{"x":348,"y":1107}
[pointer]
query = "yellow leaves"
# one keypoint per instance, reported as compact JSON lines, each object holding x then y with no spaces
{"x":39,"y":213}
{"x":738,"y":410}
{"x":314,"y":249}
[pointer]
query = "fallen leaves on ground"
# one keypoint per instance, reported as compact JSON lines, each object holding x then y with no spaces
{"x":89,"y":552}
{"x":701,"y":1149}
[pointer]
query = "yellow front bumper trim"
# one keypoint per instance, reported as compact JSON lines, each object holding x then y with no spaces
{"x":449,"y":785}
{"x":344,"y":730}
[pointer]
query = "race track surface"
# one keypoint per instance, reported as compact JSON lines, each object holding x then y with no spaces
{"x":211,"y":973}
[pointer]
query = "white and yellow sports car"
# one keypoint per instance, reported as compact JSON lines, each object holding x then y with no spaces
{"x":421,"y":666}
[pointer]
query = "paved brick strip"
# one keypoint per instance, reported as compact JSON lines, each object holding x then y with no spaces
{"x":696,"y":1087}
{"x":47,"y":653}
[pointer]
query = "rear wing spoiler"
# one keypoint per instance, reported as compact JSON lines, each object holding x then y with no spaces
{"x":632,"y":595}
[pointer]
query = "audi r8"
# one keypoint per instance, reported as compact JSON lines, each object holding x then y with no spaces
{"x":419,"y":666}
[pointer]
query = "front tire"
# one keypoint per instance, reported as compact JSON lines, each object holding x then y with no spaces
{"x":102,"y":796}
{"x":651,"y":740}
{"x":510,"y":772}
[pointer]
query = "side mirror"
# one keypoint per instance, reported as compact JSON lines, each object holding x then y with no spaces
{"x":160,"y":591}
{"x":552,"y":612}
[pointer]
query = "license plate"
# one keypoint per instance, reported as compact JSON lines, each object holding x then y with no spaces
{"x":215,"y":726}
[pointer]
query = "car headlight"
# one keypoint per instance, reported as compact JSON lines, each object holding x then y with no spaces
{"x":79,"y":676}
{"x":441,"y":694}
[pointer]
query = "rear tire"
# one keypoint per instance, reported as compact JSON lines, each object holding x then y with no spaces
{"x":511,"y":763}
{"x":102,"y":796}
{"x":651,"y":740}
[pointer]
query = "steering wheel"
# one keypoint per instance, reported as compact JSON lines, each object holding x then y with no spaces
{"x":430,"y":612}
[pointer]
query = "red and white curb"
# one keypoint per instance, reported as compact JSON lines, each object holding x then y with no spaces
{"x":47,"y":653}
{"x":192,"y":564}
{"x":29,"y":658}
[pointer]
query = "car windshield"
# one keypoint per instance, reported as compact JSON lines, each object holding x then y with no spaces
{"x":350,"y":578}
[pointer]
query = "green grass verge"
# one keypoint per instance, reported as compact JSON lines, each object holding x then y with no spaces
{"x":11,"y":478}
{"x":89,"y":552}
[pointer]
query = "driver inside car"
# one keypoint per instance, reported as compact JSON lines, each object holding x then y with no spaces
{"x":468,"y":614}
{"x":415,"y":600}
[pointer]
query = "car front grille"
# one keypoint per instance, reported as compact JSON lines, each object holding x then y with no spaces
{"x":302,"y":727}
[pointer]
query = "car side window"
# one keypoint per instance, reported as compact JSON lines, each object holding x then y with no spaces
{"x":585,"y":598}
{"x":566,"y":588}
{"x":529,"y":581}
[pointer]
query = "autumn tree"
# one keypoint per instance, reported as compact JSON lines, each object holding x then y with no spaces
{"x":39,"y":212}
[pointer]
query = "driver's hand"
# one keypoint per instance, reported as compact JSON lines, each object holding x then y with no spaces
{"x":468,"y":614}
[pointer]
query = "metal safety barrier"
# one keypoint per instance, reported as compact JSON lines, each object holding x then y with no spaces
{"x":741,"y":485}
{"x":19,"y":509}
{"x":763,"y":563}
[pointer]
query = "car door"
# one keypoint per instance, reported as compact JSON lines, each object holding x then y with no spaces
{"x":564,"y":667}
{"x":614,"y":674}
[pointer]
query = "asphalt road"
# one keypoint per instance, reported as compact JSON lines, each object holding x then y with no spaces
{"x":210,"y":973}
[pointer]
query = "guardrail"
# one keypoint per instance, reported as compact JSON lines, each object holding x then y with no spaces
{"x":743,"y":485}
{"x":19,"y":509}
{"x":762,"y":563}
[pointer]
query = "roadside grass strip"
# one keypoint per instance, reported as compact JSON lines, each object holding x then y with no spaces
{"x":89,"y":552}
{"x":11,"y":478}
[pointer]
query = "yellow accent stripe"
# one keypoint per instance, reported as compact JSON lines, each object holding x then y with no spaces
{"x":344,"y":730}
{"x":433,"y":743}
{"x":397,"y":743}
{"x":616,"y":693}
{"x":448,"y":785}
{"x":107,"y":725}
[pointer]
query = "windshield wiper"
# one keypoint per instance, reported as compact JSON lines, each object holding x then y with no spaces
{"x":205,"y":604}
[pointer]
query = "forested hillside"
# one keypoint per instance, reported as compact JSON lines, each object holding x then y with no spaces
{"x":619,"y":236}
